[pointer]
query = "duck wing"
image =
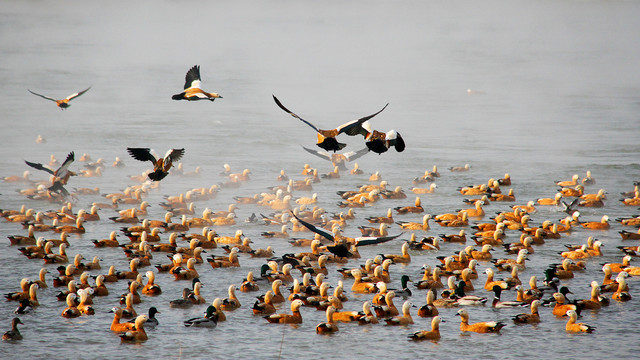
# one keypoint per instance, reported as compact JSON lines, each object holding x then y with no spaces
{"x":64,"y":168}
{"x":192,"y":79}
{"x":372,"y":240}
{"x":42,"y":96}
{"x":175,"y":154}
{"x":321,"y":154}
{"x":352,"y":155}
{"x":75,"y":95}
{"x":316,"y":230}
{"x":293,"y":114}
{"x":40,"y":167}
{"x":141,"y":154}
{"x":354,"y":127}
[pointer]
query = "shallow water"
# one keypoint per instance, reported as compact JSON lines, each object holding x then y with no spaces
{"x":554,"y":92}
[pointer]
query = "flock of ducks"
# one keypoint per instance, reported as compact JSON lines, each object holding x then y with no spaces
{"x":330,"y":248}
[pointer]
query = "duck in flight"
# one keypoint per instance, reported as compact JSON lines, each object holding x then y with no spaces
{"x":338,"y":160}
{"x":61,"y":175}
{"x":380,"y":142}
{"x":327,"y":138}
{"x":192,"y":90}
{"x":63,"y":103}
{"x":160,"y":166}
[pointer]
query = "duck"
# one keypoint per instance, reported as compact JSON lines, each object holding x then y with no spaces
{"x":327,"y":138}
{"x":389,"y":309}
{"x":210,"y":319}
{"x":24,"y":307}
{"x":249,"y":284}
{"x":433,"y":334}
{"x":622,"y":293}
{"x":405,"y":318}
{"x":424,"y":226}
{"x":359,"y":286}
{"x":14,"y":333}
{"x":84,"y":307}
{"x":231,"y":303}
{"x":532,"y":318}
{"x":461,"y":298}
{"x":230,"y":261}
{"x":151,"y":288}
{"x":63,"y":104}
{"x":461,"y":237}
{"x":192,"y":90}
{"x":490,"y":283}
{"x":603,"y":224}
{"x":265,"y":307}
{"x":562,"y":307}
{"x":428,"y":310}
{"x":416,"y":208}
{"x":71,"y":311}
{"x":379,"y":142}
{"x":294,"y":318}
{"x":574,"y":327}
{"x":480,"y":327}
{"x":185,"y":301}
{"x":330,"y":326}
{"x":497,"y":303}
{"x":160,"y":166}
{"x":429,"y":190}
{"x":137,"y":334}
{"x":404,"y":258}
{"x":186,"y":274}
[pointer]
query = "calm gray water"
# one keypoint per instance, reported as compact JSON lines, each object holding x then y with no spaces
{"x":554,"y":92}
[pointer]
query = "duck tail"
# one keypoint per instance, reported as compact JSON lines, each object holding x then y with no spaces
{"x":178,"y":96}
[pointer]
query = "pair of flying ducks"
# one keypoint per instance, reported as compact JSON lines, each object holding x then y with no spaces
{"x":375,"y":140}
{"x":191,"y":92}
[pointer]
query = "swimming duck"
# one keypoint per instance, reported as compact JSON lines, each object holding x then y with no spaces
{"x":14,"y":333}
{"x":327,"y":138}
{"x":603,"y":224}
{"x":137,"y":334}
{"x":572,"y":326}
{"x":116,"y":325}
{"x":184,"y":302}
{"x":562,"y":307}
{"x":433,"y":334}
{"x":209,"y":320}
{"x":490,"y":283}
{"x":428,"y":310}
{"x":294,"y":318}
{"x":404,"y":258}
{"x":24,"y":307}
{"x":83,"y":307}
{"x":160,"y":166}
{"x":480,"y":327}
{"x":330,"y":326}
{"x":532,"y":318}
{"x":71,"y":311}
{"x":424,"y":226}
{"x":417,"y":208}
{"x":265,"y":307}
{"x":63,"y":104}
{"x":497,"y":303}
{"x":405,"y":318}
{"x":151,"y":289}
{"x":249,"y":284}
{"x":622,"y":293}
{"x":461,"y":298}
{"x":231,"y":303}
{"x":192,"y":90}
{"x":389,"y":309}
